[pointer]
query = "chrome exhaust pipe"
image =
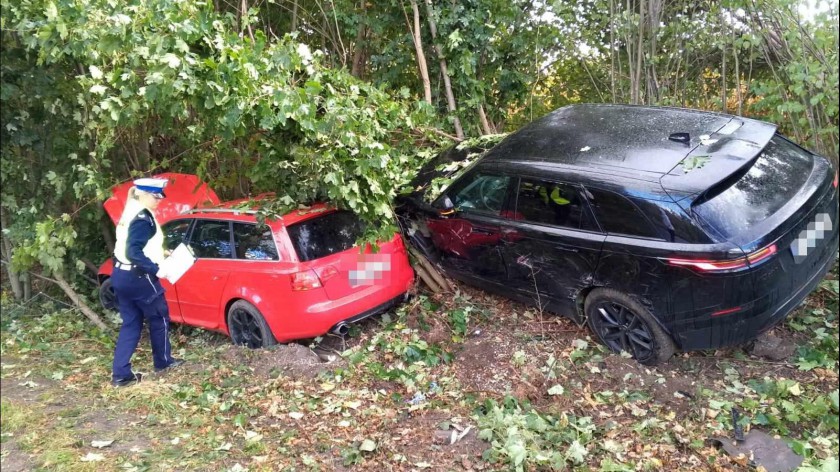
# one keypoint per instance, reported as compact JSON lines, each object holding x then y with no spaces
{"x":341,"y":329}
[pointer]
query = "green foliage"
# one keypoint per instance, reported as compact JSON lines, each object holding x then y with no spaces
{"x":192,"y":95}
{"x":694,"y":162}
{"x":760,"y":59}
{"x":324,"y":105}
{"x":459,"y":321}
{"x":821,"y":324}
{"x":801,"y":93}
{"x":523,"y":438}
{"x":789,"y":405}
{"x":448,"y":171}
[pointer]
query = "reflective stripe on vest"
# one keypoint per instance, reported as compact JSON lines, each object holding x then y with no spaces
{"x":555,"y":196}
{"x":153,"y":249}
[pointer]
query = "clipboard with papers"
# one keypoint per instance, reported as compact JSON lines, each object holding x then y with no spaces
{"x":178,"y":263}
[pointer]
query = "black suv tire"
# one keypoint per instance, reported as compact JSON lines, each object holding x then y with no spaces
{"x":622,"y":323}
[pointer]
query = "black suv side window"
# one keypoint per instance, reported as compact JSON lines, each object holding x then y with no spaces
{"x":480,"y":193}
{"x":618,"y":215}
{"x":672,"y":223}
{"x":174,"y":233}
{"x":211,"y":239}
{"x":254,"y":242}
{"x":550,"y":203}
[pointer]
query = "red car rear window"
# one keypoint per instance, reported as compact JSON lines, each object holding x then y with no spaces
{"x":325,"y":235}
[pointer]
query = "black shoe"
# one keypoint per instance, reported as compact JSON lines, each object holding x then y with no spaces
{"x":173,"y":364}
{"x":127,"y":381}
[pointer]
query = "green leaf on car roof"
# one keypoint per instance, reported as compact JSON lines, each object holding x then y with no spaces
{"x":694,"y":162}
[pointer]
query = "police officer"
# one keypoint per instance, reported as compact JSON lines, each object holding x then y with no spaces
{"x":137,"y":255}
{"x":558,"y":201}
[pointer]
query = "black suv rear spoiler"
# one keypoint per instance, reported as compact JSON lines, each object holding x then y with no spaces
{"x":720,"y":159}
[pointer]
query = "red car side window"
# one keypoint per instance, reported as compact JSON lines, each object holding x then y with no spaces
{"x":211,"y":239}
{"x":254,"y":242}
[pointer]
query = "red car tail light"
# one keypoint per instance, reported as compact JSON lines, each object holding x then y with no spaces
{"x":731,"y":265}
{"x":306,"y":280}
{"x":836,"y":177}
{"x":328,"y":273}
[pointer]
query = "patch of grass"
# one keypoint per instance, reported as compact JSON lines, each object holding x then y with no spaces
{"x":158,"y":397}
{"x":72,"y":412}
{"x":13,"y":416}
{"x":62,"y":459}
{"x":53,"y":446}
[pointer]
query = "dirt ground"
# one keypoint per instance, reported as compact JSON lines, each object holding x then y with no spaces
{"x":508,"y":350}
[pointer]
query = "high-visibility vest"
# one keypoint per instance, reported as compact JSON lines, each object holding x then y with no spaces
{"x":153,"y":249}
{"x":555,"y":196}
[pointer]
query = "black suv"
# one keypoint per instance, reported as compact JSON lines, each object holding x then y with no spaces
{"x":662,"y":228}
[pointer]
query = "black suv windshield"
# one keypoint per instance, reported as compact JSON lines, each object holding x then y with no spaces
{"x":324,"y":235}
{"x":779,"y":173}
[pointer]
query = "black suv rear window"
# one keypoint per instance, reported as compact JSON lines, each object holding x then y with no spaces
{"x":324,"y":235}
{"x":777,"y":175}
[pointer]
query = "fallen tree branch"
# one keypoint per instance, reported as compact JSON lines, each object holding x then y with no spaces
{"x":444,"y":134}
{"x":93,"y":268}
{"x":427,"y":279}
{"x":429,"y":274}
{"x":77,"y":300}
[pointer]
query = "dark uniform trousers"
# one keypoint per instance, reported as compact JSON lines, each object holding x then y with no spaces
{"x":140,"y":297}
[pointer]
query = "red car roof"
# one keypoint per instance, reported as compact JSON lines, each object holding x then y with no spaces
{"x":290,"y":218}
{"x":183,"y":193}
{"x":187,"y":192}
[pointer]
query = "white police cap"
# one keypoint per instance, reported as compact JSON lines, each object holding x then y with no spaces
{"x":153,"y":186}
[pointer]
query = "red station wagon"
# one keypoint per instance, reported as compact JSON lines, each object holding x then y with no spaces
{"x":295,"y":277}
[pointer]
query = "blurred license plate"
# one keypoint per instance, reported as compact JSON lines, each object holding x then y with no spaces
{"x":811,"y":237}
{"x":371,"y":269}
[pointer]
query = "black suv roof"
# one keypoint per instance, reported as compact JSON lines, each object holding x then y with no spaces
{"x":635,"y":142}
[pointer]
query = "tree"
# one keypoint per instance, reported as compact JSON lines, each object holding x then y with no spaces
{"x":124,"y":94}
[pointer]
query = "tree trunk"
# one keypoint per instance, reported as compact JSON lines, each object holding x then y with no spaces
{"x":77,"y":300}
{"x":485,"y":125}
{"x":723,"y":80}
{"x":640,"y":52}
{"x":447,"y":85}
{"x":26,"y":280}
{"x":628,"y":44}
{"x":737,"y":76}
{"x":612,"y":50}
{"x":295,"y":15}
{"x":654,"y":18}
{"x":245,"y":14}
{"x":7,"y":252}
{"x":359,"y":52}
{"x":421,"y":58}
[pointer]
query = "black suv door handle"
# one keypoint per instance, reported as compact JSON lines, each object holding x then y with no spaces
{"x":567,"y":248}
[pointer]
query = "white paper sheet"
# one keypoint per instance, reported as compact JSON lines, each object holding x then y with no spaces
{"x":178,"y":263}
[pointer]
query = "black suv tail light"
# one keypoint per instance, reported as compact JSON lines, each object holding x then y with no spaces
{"x":731,"y":265}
